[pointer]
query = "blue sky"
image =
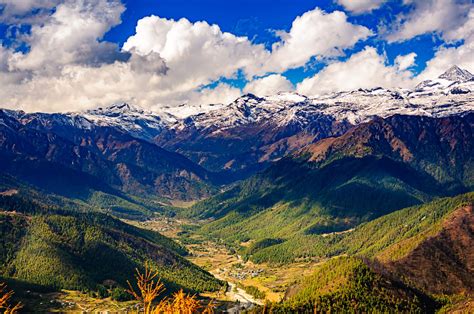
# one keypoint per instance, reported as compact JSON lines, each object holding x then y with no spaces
{"x":244,"y":46}
{"x":257,"y":20}
{"x":254,"y":19}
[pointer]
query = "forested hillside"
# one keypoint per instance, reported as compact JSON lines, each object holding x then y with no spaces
{"x":347,"y":284}
{"x":46,"y":245}
{"x":389,"y":237}
{"x":414,"y":260}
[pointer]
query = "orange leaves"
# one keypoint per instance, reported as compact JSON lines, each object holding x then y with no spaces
{"x":5,"y":298}
{"x":186,"y":303}
{"x":149,"y":289}
{"x":182,"y":303}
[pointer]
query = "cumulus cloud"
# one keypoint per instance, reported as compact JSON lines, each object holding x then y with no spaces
{"x":196,"y":53}
{"x":77,"y":87}
{"x":64,"y":53}
{"x":268,"y":85}
{"x":205,"y":50}
{"x":461,"y":55}
{"x":403,"y":62}
{"x":151,"y":62}
{"x":68,"y":66}
{"x":314,"y":34}
{"x":426,"y":16}
{"x":25,"y":6}
{"x":365,"y":69}
{"x":71,"y":36}
{"x":360,"y":6}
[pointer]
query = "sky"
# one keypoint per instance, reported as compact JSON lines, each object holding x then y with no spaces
{"x":72,"y":55}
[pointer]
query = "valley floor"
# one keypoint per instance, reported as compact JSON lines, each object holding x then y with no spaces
{"x":226,"y":265}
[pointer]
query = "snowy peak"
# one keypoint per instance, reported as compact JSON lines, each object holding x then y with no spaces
{"x":456,"y":74}
{"x":119,"y":108}
{"x":132,"y":119}
{"x":288,"y":97}
{"x":451,"y":93}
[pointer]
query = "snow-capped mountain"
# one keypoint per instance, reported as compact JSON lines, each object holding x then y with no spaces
{"x":125,"y":117}
{"x":456,"y":74}
{"x":280,"y":109}
{"x":451,"y":93}
{"x":133,"y":119}
{"x":184,"y":110}
{"x":246,"y":135}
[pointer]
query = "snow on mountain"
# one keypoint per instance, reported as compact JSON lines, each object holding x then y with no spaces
{"x":282,"y":109}
{"x":456,"y":74}
{"x":450,"y":93}
{"x":133,"y":119}
{"x":184,"y":110}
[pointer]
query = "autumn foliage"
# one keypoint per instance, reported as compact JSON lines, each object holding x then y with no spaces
{"x":5,"y":297}
{"x":150,"y":287}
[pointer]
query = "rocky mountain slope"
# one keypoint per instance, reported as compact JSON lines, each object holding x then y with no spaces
{"x":251,"y":132}
{"x":71,"y":156}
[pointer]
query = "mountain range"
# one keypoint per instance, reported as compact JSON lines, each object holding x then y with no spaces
{"x":296,"y":178}
{"x":235,"y":140}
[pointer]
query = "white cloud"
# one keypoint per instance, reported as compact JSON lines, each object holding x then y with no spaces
{"x":360,"y":6}
{"x":196,"y":53}
{"x":426,"y":16}
{"x":166,"y":62}
{"x":269,"y":85}
{"x":365,"y":69}
{"x":19,"y":10}
{"x":462,"y":55}
{"x":222,"y":93}
{"x":69,"y":68}
{"x":78,"y":87}
{"x":403,"y":62}
{"x":71,"y":36}
{"x":315,"y":33}
{"x":25,"y":6}
{"x":151,"y":63}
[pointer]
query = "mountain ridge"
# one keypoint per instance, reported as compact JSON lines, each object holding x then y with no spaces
{"x":241,"y":138}
{"x":103,"y":157}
